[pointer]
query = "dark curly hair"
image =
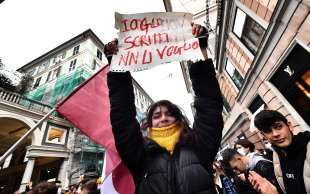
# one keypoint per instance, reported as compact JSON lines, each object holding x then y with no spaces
{"x":246,"y":144}
{"x":265,"y":119}
{"x":187,"y":135}
{"x":228,"y":155}
{"x":45,"y":188}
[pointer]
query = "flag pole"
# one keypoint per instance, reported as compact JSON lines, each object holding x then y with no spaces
{"x":13,"y":147}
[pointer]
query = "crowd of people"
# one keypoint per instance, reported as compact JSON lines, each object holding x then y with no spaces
{"x":87,"y":185}
{"x":282,"y":169}
{"x":237,"y":170}
{"x":177,"y":158}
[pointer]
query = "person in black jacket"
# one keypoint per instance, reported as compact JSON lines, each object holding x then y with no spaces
{"x":242,"y":165}
{"x":291,"y":153}
{"x":174,"y":158}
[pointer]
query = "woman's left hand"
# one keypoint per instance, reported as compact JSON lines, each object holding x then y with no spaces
{"x":198,"y":30}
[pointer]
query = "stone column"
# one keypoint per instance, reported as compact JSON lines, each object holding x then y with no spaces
{"x":63,"y":174}
{"x":7,"y":161}
{"x":27,"y":174}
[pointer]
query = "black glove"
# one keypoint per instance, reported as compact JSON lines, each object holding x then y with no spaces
{"x":203,"y":41}
{"x":110,"y":49}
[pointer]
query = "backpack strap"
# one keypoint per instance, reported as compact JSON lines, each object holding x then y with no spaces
{"x":306,"y":173}
{"x":278,"y":171}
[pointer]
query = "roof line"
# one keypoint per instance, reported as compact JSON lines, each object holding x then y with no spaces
{"x":72,"y":41}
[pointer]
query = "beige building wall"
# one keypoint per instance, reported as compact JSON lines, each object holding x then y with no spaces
{"x":296,"y":31}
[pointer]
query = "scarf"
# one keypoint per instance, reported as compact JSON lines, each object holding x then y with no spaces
{"x":166,"y":137}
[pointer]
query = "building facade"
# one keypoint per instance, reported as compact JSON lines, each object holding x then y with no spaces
{"x":261,"y":54}
{"x":56,"y":150}
{"x":42,"y":155}
{"x":204,"y":13}
{"x":263,"y":63}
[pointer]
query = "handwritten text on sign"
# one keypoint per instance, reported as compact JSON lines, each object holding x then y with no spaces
{"x":150,"y":39}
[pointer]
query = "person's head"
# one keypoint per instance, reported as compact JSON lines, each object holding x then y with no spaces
{"x":234,"y":160}
{"x":45,"y":188}
{"x":244,"y":146}
{"x":89,"y":187}
{"x":164,"y":113}
{"x":73,"y":188}
{"x":274,"y":127}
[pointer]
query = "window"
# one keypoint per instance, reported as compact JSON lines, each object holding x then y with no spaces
{"x":37,"y":83}
{"x":99,"y":54}
{"x":95,"y":65}
{"x":49,"y":76}
{"x":56,"y":73}
{"x":248,"y":31}
{"x":239,"y":23}
{"x":72,"y":65}
{"x":234,"y":74}
{"x":76,"y":50}
{"x":63,"y":55}
{"x":256,"y":104}
{"x":226,"y":104}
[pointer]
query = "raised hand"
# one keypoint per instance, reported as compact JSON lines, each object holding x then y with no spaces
{"x":200,"y":32}
{"x":261,"y":185}
{"x":111,"y":49}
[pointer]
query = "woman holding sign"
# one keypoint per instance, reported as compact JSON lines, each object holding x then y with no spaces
{"x":174,"y":158}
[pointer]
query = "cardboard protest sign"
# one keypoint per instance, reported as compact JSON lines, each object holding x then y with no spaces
{"x":150,"y":39}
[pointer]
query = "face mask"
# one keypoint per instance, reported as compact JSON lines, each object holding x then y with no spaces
{"x":242,"y":151}
{"x":268,"y":145}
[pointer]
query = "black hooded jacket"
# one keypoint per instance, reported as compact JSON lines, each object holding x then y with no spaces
{"x":292,"y":163}
{"x":155,"y":171}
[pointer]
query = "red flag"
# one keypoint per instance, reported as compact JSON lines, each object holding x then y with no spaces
{"x":88,"y":109}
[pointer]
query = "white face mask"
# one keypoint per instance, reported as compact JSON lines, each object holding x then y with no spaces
{"x":242,"y":151}
{"x":268,"y":145}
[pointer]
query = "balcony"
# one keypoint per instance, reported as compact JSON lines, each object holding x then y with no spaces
{"x":23,"y":102}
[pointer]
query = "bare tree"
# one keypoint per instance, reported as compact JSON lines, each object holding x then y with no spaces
{"x":6,"y":83}
{"x":24,"y":84}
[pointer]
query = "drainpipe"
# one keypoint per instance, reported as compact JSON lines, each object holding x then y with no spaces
{"x":168,"y":6}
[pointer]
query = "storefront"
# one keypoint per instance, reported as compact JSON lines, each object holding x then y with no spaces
{"x":292,"y":79}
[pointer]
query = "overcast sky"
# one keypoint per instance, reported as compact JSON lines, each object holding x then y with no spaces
{"x":30,"y":28}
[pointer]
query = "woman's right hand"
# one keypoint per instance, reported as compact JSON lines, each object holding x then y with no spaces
{"x":111,"y":49}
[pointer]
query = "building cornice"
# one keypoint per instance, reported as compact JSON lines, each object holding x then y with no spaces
{"x":81,"y":37}
{"x":276,"y":28}
{"x":34,"y":151}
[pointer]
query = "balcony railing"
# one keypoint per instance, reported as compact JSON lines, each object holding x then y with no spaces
{"x":22,"y":101}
